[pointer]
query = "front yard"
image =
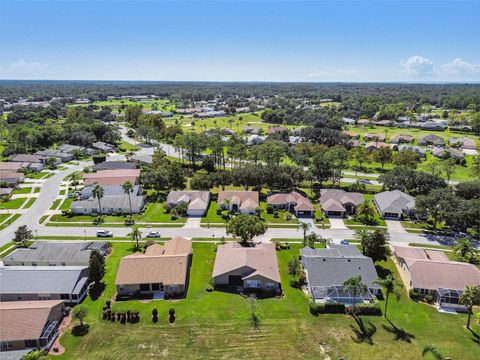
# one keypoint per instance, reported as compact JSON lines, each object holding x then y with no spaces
{"x":216,"y":324}
{"x":12,"y":204}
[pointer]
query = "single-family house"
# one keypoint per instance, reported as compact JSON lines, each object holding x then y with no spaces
{"x":348,"y":121}
{"x":375,"y":145}
{"x":351,"y":134}
{"x":57,"y":154}
{"x":12,"y":166}
{"x":336,"y":202}
{"x":445,"y":153}
{"x":244,"y":202}
{"x":422,"y":152}
{"x":252,"y":130}
{"x":114,"y":165}
{"x":256,"y":139}
{"x":401,"y":138}
{"x":328,"y":269}
{"x":463,"y":143}
{"x":394,"y":204}
{"x":102,"y":146}
{"x":430,"y":272}
{"x":431,"y":139}
{"x":384,"y":123}
{"x":26,"y":158}
{"x":293,"y":202}
{"x":112,"y":177}
{"x":364,"y":122}
{"x":161,"y":270}
{"x":11,"y":178}
{"x":374,"y":137}
{"x":276,"y":129}
{"x":197,"y":201}
{"x":433,"y":125}
{"x":67,"y":283}
{"x":142,"y":159}
{"x":108,"y":190}
{"x":73,"y":148}
{"x":29,"y":325}
{"x":55,"y":253}
{"x":246,"y":268}
{"x":109,"y":204}
{"x":6,"y":193}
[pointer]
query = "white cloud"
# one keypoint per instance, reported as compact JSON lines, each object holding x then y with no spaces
{"x":22,"y":69}
{"x":460,"y":67}
{"x":418,"y":66}
{"x":319,"y":74}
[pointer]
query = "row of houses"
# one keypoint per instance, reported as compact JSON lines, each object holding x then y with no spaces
{"x":36,"y":285}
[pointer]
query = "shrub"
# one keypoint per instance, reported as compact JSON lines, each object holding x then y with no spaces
{"x":219,"y":211}
{"x":174,"y":217}
{"x":334,"y":308}
{"x":368,"y":309}
{"x":276,"y":215}
{"x":269,"y":209}
{"x":97,"y":159}
{"x":413,"y":294}
{"x":316,"y":308}
{"x":225,"y":216}
{"x":288,"y":216}
{"x":148,"y":243}
{"x":428,"y":299}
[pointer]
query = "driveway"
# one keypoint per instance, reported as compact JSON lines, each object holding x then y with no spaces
{"x":395,"y":226}
{"x":192,"y":223}
{"x":337,"y":223}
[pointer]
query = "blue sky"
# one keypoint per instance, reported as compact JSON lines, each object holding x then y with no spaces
{"x":241,"y":41}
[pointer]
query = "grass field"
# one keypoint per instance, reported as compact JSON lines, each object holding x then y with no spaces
{"x":29,"y":203}
{"x":217,"y":325}
{"x":12,"y":204}
{"x":23,"y":190}
{"x":11,"y":220}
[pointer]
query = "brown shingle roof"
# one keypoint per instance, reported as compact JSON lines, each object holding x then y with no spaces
{"x":261,"y":258}
{"x":160,"y":264}
{"x":302,"y":203}
{"x":240,"y":197}
{"x":24,"y":320}
{"x":112,"y":177}
{"x":334,"y":200}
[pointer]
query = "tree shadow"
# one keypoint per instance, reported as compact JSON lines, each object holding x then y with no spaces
{"x":475,"y":337}
{"x":399,"y":333}
{"x":96,"y":290}
{"x":364,"y":332}
{"x":382,"y":272}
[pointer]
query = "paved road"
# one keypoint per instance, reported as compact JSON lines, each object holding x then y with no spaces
{"x":47,"y":195}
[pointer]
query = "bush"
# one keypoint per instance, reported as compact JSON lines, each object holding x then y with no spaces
{"x":219,"y":211}
{"x":334,"y":308}
{"x":174,"y":217}
{"x":276,"y":215}
{"x":368,"y":309}
{"x":413,"y":294}
{"x":428,"y":299}
{"x":269,"y":209}
{"x":225,"y":216}
{"x":148,"y":243}
{"x":288,"y":216}
{"x":97,"y":159}
{"x":316,"y":308}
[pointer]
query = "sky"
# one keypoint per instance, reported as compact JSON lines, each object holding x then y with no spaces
{"x":316,"y":41}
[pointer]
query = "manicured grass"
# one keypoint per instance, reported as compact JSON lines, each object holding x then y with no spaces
{"x":30,"y":203}
{"x":126,"y":146}
{"x":12,"y":204}
{"x":23,"y":190}
{"x":217,"y":325}
{"x":62,"y":192}
{"x":81,"y":237}
{"x":36,"y":189}
{"x":42,"y":219}
{"x":154,"y":213}
{"x":11,"y":246}
{"x":212,"y":216}
{"x":430,"y":246}
{"x":11,"y":220}
{"x":55,"y":204}
{"x":38,"y":175}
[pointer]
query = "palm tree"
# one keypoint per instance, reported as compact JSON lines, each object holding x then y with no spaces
{"x":431,"y":348}
{"x":391,"y":286}
{"x":136,"y":235}
{"x":464,"y":249}
{"x":304,"y":226}
{"x":97,"y":193}
{"x":362,"y":235}
{"x":128,"y":189}
{"x":355,"y":285}
{"x":470,"y":297}
{"x":366,"y":211}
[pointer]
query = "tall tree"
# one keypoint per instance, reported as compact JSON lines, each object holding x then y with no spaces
{"x":355,"y":286}
{"x":246,"y":227}
{"x":128,"y":189}
{"x":136,"y":236}
{"x":22,"y":235}
{"x":365,"y":211}
{"x":383,"y":155}
{"x":470,"y":297}
{"x":96,"y":272}
{"x":98,"y":193}
{"x":391,"y":286}
{"x":464,"y":249}
{"x":304,"y":226}
{"x":295,"y":268}
{"x":376,"y":245}
{"x":80,"y":312}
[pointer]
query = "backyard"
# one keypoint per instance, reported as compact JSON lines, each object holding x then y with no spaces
{"x":210,"y":325}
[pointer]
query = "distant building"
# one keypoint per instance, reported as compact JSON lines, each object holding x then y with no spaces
{"x":197,"y":201}
{"x":245,"y":202}
{"x":293,"y":202}
{"x":394,"y":204}
{"x":339,"y":202}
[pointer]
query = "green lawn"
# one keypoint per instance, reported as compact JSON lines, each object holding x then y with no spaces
{"x":23,"y":190}
{"x":38,"y":175}
{"x":216,"y":324}
{"x":270,"y":218}
{"x":30,"y":203}
{"x":55,"y":204}
{"x":11,"y":220}
{"x":126,"y":146}
{"x":154,"y":213}
{"x":12,"y":204}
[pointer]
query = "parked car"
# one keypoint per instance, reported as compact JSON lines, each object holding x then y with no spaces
{"x":344,"y":242}
{"x":104,"y":233}
{"x":153,"y":234}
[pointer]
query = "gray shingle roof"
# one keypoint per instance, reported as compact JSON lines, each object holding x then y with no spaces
{"x":47,"y":251}
{"x":334,"y":265}
{"x":114,"y":202}
{"x":41,"y":279}
{"x":394,"y":201}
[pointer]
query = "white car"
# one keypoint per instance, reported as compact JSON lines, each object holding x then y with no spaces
{"x":104,"y":233}
{"x":153,"y":234}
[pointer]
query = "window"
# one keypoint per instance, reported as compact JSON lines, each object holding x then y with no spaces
{"x":144,"y":287}
{"x":269,"y":286}
{"x":30,"y":343}
{"x":63,"y":264}
{"x":156,"y":287}
{"x":253,"y":283}
{"x":74,"y":296}
{"x":6,"y":345}
{"x":65,"y":296}
{"x":34,"y":264}
{"x":19,"y":297}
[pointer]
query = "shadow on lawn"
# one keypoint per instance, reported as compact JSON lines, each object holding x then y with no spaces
{"x":364,"y":332}
{"x":399,"y":334}
{"x":475,"y":337}
{"x":382,"y":272}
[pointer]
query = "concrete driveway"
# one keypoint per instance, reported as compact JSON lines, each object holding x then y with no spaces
{"x":395,"y":226}
{"x":193,"y":223}
{"x":337,"y":223}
